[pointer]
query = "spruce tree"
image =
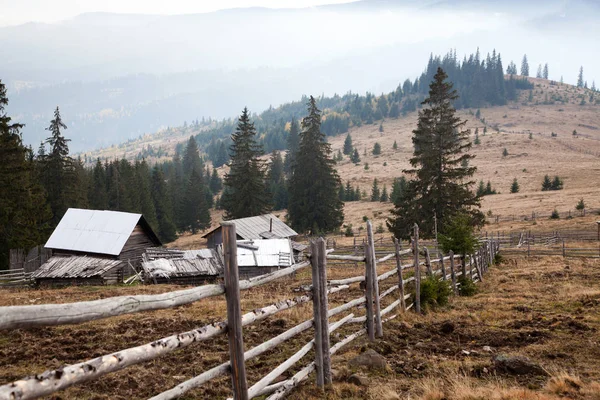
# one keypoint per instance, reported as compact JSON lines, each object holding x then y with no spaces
{"x":395,"y":145}
{"x":143,"y":183}
{"x":348,"y":145}
{"x":546,"y":72}
{"x":215,"y":184}
{"x":313,"y":199}
{"x":539,"y":72}
{"x":525,"y":66}
{"x":384,"y":195}
{"x":162,"y":204}
{"x":441,"y":185}
{"x":24,"y":212}
{"x":514,"y":188}
{"x":375,"y":193}
{"x":247,"y":194}
{"x":376,"y":149}
{"x":546,"y":184}
{"x":355,"y":157}
{"x":58,"y":174}
{"x":580,"y":78}
{"x":98,"y":197}
{"x":293,"y":142}
{"x":195,"y":208}
{"x":276,"y":181}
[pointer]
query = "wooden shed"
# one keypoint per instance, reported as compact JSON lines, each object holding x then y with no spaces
{"x":266,"y":226}
{"x":184,"y":267}
{"x":96,"y":247}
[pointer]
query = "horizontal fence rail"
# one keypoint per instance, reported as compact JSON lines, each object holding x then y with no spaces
{"x":414,"y":262}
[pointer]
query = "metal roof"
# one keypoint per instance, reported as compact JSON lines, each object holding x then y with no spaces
{"x":93,"y":231}
{"x":259,"y":226}
{"x":76,"y":267}
{"x":269,"y":253}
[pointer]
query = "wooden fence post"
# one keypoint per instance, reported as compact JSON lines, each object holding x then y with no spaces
{"x":417,"y":270}
{"x":452,"y":273}
{"x":234,"y":313}
{"x":564,"y":252}
{"x":463,"y":265}
{"x":324,"y":306}
{"x":373,"y":264}
{"x":428,"y":262}
{"x":369,"y":292}
{"x":479,"y":268}
{"x":400,"y":278}
{"x":441,"y":256}
{"x":317,"y":321}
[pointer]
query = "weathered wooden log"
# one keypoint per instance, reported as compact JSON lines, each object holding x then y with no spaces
{"x":478,"y":268}
{"x":287,"y":364}
{"x":399,"y":269}
{"x":316,"y":283}
{"x":234,"y":312}
{"x":453,"y":273}
{"x":324,"y":307}
{"x":369,"y":292}
{"x":417,"y":270}
{"x":385,"y":258}
{"x":388,"y":291}
{"x":13,"y":317}
{"x":428,"y":262}
{"x":443,"y":268}
{"x":373,"y":265}
{"x":346,"y":258}
{"x":305,"y":372}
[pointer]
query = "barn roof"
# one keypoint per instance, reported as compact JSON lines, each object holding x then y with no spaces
{"x":96,"y":231}
{"x":265,"y":253}
{"x":259,"y":227}
{"x":76,"y":267}
{"x":180,"y":263}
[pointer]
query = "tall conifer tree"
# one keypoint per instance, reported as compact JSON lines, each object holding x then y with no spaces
{"x":24,"y":213}
{"x":441,"y":183}
{"x":314,"y":204}
{"x":163,"y":207}
{"x":246,"y":193}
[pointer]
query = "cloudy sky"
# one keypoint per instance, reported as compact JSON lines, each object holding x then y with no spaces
{"x":13,"y":12}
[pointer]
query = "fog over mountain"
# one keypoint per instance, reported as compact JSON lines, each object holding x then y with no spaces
{"x":116,"y":76}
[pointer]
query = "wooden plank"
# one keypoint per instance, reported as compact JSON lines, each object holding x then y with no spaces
{"x":316,"y":283}
{"x":347,"y":258}
{"x":442,"y":267}
{"x":234,"y":312}
{"x":417,"y":270}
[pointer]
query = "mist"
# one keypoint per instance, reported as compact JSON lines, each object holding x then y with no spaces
{"x":117,"y":76}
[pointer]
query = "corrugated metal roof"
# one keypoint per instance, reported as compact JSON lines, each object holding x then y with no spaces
{"x":270,"y":253}
{"x":76,"y":267}
{"x":93,"y":231}
{"x":171,"y":263}
{"x":252,"y":227}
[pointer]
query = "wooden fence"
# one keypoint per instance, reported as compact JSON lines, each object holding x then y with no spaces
{"x":14,"y":277}
{"x":543,"y":215}
{"x":418,"y":262}
{"x":584,"y":243}
{"x":29,"y":261}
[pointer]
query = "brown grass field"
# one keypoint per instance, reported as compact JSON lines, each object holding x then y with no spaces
{"x":545,"y":309}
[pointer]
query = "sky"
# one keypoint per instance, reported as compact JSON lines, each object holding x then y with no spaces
{"x":14,"y":12}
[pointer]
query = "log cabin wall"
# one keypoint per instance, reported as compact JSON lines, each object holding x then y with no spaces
{"x":136,"y":245}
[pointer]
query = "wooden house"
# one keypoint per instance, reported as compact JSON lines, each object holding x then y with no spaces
{"x":266,"y":226}
{"x":262,"y":256}
{"x":95,"y":247}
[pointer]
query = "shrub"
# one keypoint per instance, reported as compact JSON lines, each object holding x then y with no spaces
{"x":348,"y":232}
{"x":365,"y":218}
{"x":504,"y":152}
{"x":554,"y":215}
{"x":434,"y":292}
{"x":467,"y":287}
{"x":458,"y":235}
{"x":580,"y":205}
{"x":379,"y":229}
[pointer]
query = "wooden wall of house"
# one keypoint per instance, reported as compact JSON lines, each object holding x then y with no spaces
{"x":214,"y":239}
{"x":54,"y":282}
{"x":186,"y":280}
{"x":136,"y":245}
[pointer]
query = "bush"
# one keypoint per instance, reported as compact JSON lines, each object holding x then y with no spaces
{"x":380,"y":229}
{"x":498,"y":258}
{"x":467,"y":287}
{"x":348,"y":232}
{"x":554,"y":215}
{"x":434,"y":292}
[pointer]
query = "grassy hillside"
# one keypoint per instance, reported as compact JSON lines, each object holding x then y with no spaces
{"x":576,"y":159}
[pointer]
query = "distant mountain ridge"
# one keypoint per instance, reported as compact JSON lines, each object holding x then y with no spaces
{"x":117,"y":76}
